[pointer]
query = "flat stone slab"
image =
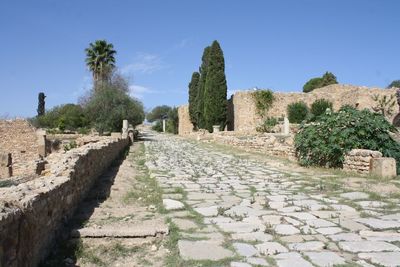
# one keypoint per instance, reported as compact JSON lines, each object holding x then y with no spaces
{"x":257,"y":261}
{"x":367,"y":246}
{"x":241,"y":227}
{"x":355,"y":195}
{"x":380,"y":236}
{"x":171,"y":204}
{"x":345,"y":237}
{"x":239,"y":264}
{"x":202,"y":250}
{"x":291,"y":259}
{"x":303,"y":216}
{"x":245,"y":250}
{"x":184,"y":224}
{"x":286,"y":229}
{"x":329,"y":230}
{"x":320,"y":223}
{"x":253,"y":236}
{"x":307,"y":246}
{"x":208,"y":211}
{"x":270,"y":248}
{"x":325,"y":259}
{"x":390,"y":259}
{"x":378,"y":224}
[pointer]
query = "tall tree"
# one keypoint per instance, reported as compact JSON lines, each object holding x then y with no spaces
{"x":215,"y":104}
{"x":41,"y":104}
{"x":100,"y":59}
{"x":201,"y":88}
{"x":193,"y":88}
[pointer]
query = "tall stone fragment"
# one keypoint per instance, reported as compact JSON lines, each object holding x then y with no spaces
{"x":383,"y":167}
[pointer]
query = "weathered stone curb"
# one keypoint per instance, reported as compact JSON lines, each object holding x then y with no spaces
{"x":32,"y":214}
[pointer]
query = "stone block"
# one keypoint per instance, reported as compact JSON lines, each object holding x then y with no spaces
{"x":116,"y":135}
{"x":5,"y":159}
{"x":383,"y":167}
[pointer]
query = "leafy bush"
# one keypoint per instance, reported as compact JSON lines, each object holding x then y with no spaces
{"x":157,"y":113}
{"x":70,"y":146}
{"x":157,"y":126}
{"x":395,"y":83}
{"x":268,"y":125}
{"x":173,"y":121}
{"x":107,"y":108}
{"x":297,"y":112}
{"x":326,"y":141}
{"x":319,"y":106}
{"x":314,"y":83}
{"x":264,"y":100}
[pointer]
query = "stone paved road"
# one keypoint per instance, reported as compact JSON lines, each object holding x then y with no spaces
{"x":234,"y":210}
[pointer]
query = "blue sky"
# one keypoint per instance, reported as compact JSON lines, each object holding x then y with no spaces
{"x":268,"y":44}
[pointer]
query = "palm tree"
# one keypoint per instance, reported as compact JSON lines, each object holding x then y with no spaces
{"x":100,"y":60}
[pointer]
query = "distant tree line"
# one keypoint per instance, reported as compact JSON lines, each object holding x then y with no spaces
{"x":104,"y":106}
{"x":170,"y":114}
{"x":208,"y":90}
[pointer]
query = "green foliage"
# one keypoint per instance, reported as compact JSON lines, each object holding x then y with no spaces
{"x":319,"y":106}
{"x":268,"y":125}
{"x":395,"y":83}
{"x":297,"y":112}
{"x":201,"y":122}
{"x":108,"y":107}
{"x":157,"y":113}
{"x":325,"y":142}
{"x":173,"y":121}
{"x":157,"y":126}
{"x":41,"y":104}
{"x":70,"y":146}
{"x":314,"y":83}
{"x":264,"y":100}
{"x":193,"y":90}
{"x":384,"y":104}
{"x":64,"y":117}
{"x":215,"y":103}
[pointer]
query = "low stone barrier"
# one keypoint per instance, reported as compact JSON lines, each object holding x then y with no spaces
{"x":366,"y":161}
{"x":32,"y":214}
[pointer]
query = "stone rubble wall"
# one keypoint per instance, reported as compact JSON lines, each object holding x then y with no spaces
{"x":19,"y":138}
{"x":246,"y":118}
{"x":185,"y":126}
{"x":32,"y":214}
{"x":359,"y":160}
{"x":271,"y":144}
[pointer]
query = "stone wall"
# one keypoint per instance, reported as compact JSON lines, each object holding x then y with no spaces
{"x":33,"y":213}
{"x":246,"y":119}
{"x":19,"y":138}
{"x":359,"y":160}
{"x":185,"y":126}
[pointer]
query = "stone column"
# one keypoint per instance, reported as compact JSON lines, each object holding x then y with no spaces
{"x":286,"y":126}
{"x":163,"y":125}
{"x":125,"y":128}
{"x":41,"y":139}
{"x":215,"y":128}
{"x":5,"y":165}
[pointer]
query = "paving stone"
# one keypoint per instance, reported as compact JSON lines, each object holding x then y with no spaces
{"x":184,"y":224}
{"x":329,"y":230}
{"x":257,"y":261}
{"x":208,"y":211}
{"x":367,"y":246}
{"x":241,"y":227}
{"x":303,"y":216}
{"x":202,"y":250}
{"x":320,"y":223}
{"x":239,"y":264}
{"x":291,"y":259}
{"x":272,"y":219}
{"x":380,"y":236}
{"x":352,"y":225}
{"x":286,"y":229}
{"x":355,"y":195}
{"x":378,"y":224}
{"x":171,"y":204}
{"x":253,"y":236}
{"x":325,"y":259}
{"x":245,"y":250}
{"x":345,"y":237}
{"x":270,"y":248}
{"x":391,"y":259}
{"x":307,"y":246}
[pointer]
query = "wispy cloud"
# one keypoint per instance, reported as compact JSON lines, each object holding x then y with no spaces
{"x":139,"y":91}
{"x":183,"y":43}
{"x":144,"y":63}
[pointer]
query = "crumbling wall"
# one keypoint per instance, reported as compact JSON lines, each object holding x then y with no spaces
{"x":19,"y":138}
{"x":185,"y":127}
{"x":246,"y":118}
{"x":32,"y":213}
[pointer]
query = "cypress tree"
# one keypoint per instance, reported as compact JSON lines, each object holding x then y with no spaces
{"x":215,"y":105}
{"x":41,"y":104}
{"x":201,"y":88}
{"x":193,"y":88}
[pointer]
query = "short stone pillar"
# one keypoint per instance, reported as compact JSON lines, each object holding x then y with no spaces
{"x":285,"y":129}
{"x":125,"y":128}
{"x":5,"y":165}
{"x":163,"y":125}
{"x":41,"y":139}
{"x":383,"y":167}
{"x":215,"y":128}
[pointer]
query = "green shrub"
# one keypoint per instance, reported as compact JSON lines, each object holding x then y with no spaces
{"x":70,"y":146}
{"x":326,"y":141}
{"x":157,"y":126}
{"x":297,"y":112}
{"x":264,"y":100}
{"x":319,"y":106}
{"x":314,"y":83}
{"x":268,"y":125}
{"x":173,"y":121}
